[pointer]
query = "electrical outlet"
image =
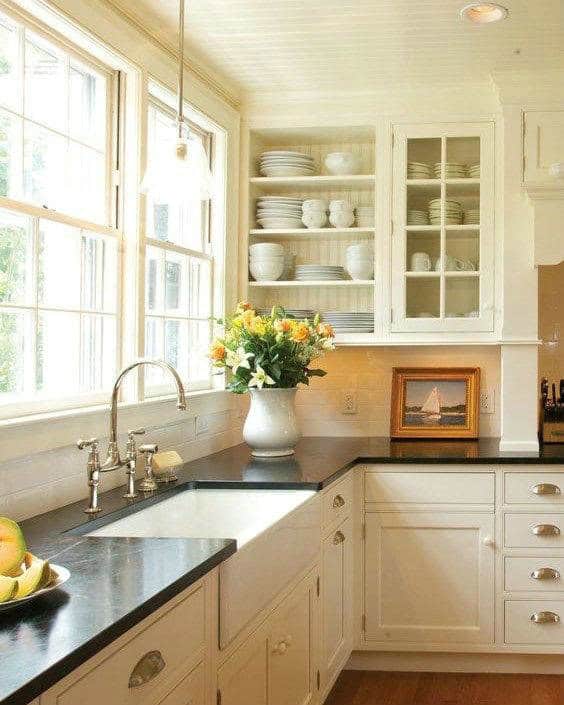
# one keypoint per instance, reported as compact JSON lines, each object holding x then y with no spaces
{"x":349,"y":403}
{"x":202,"y":425}
{"x":487,"y":401}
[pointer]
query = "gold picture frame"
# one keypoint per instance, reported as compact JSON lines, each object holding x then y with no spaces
{"x":435,"y":402}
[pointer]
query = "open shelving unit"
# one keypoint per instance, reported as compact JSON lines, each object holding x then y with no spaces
{"x":325,"y":245}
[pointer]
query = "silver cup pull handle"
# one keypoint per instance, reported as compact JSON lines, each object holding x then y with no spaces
{"x":148,"y":667}
{"x":545,"y":574}
{"x":545,"y":530}
{"x":545,"y":488}
{"x":545,"y":618}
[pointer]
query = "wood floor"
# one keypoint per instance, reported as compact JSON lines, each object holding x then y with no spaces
{"x":378,"y":688}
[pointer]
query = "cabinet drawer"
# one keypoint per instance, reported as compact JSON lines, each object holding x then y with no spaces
{"x":544,"y":574}
{"x":536,"y":530}
{"x":521,"y":629}
{"x":337,"y":501}
{"x":430,"y":487}
{"x":534,"y":488}
{"x":156,"y":653}
{"x":190,"y":690}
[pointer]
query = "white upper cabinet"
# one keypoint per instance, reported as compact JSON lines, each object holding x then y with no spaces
{"x":543,"y":144}
{"x":442,"y":269}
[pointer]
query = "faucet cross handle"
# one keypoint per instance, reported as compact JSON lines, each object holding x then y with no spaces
{"x":135,"y":432}
{"x":81,"y":444}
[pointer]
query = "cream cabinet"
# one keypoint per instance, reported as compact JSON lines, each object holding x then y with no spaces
{"x":543,"y":143}
{"x":442,"y":269}
{"x":277,"y":664}
{"x":429,"y":577}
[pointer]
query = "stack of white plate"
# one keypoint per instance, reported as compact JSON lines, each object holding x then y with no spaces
{"x":350,"y":321}
{"x":281,"y":163}
{"x":419,"y":170}
{"x":453,"y":212}
{"x":279,"y":212}
{"x":319,"y":272}
{"x":474,"y":171}
{"x":364,"y":216}
{"x":415,"y":217}
{"x":453,"y":170}
{"x":472,"y":216}
{"x":299,"y":313}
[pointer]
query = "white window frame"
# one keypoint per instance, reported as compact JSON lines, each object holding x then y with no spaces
{"x":40,"y":404}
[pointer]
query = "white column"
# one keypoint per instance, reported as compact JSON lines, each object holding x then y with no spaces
{"x":519,"y":398}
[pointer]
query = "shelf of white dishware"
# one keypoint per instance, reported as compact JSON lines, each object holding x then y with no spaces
{"x":306,"y":232}
{"x":322,"y":183}
{"x":316,"y":283}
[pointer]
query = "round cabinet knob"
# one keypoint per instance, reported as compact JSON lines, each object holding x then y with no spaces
{"x":488,"y":541}
{"x":280,"y":648}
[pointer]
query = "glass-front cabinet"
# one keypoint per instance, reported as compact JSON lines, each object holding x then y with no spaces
{"x":443,"y":228}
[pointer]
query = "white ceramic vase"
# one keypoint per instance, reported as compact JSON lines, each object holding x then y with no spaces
{"x":271,"y":428}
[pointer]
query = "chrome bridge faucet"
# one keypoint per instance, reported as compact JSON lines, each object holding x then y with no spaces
{"x":114,"y":460}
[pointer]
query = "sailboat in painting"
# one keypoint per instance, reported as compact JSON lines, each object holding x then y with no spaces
{"x":431,"y":409}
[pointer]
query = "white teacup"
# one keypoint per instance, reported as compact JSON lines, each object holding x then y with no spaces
{"x":420,"y":262}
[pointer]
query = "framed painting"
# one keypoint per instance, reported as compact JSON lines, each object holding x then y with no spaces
{"x":435,"y":402}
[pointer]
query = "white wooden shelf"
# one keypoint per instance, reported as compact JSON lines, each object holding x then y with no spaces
{"x":437,"y":228}
{"x":308,"y":232}
{"x":316,"y":283}
{"x":317,"y":183}
{"x":438,"y":182}
{"x":448,"y":273}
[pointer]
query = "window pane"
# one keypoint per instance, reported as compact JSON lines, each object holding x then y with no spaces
{"x":154,"y":278}
{"x":99,"y":273}
{"x":59,"y":265}
{"x":200,"y":288}
{"x":87,"y":101}
{"x":154,"y":349}
{"x":9,"y":64}
{"x":176,"y":286}
{"x":86,"y":183}
{"x":16,"y":258}
{"x":10,"y":157}
{"x":58,"y":353}
{"x":98,"y":352}
{"x":199,"y":363}
{"x":176,"y":346}
{"x":44,"y":167}
{"x":45,"y":99}
{"x":12,"y":353}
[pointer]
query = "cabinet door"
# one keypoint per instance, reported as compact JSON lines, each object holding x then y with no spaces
{"x":429,"y":578}
{"x":443,"y":228}
{"x":543,"y":143}
{"x":190,"y":690}
{"x":292,"y":657}
{"x":242,"y":679}
{"x":337,"y":601}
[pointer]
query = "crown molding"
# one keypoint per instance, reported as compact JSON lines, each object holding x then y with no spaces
{"x":203,"y":75}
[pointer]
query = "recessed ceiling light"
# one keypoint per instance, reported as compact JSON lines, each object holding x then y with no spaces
{"x":484,"y":12}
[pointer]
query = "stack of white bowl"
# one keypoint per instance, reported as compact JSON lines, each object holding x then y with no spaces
{"x":453,"y":212}
{"x":266,"y":261}
{"x":314,"y":213}
{"x":416,"y":217}
{"x":472,"y":216}
{"x":342,"y":163}
{"x":419,"y":170}
{"x":359,"y":261}
{"x":474,"y":171}
{"x":453,"y":170}
{"x":286,"y":163}
{"x":364,"y":216}
{"x":283,"y":212}
{"x":341,"y":214}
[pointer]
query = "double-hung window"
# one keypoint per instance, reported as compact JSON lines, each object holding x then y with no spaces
{"x":178,"y":264}
{"x":59,"y":242}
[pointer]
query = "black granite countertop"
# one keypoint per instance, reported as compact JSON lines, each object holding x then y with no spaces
{"x":116,"y":582}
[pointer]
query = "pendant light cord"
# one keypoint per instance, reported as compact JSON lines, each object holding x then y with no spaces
{"x":182,"y":4}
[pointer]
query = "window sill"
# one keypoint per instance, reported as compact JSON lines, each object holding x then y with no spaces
{"x":44,"y":432}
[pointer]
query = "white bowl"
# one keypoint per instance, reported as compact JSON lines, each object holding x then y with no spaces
{"x":361,"y":269}
{"x":314,"y":219}
{"x":342,"y":163}
{"x":272,"y":247}
{"x":314,"y":204}
{"x":337,"y":205}
{"x":270,"y":270}
{"x":341,"y":219}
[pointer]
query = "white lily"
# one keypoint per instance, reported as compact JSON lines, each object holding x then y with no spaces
{"x":237,"y":359}
{"x":260,"y":378}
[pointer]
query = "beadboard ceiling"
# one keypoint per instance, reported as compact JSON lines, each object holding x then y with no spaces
{"x":354,"y":45}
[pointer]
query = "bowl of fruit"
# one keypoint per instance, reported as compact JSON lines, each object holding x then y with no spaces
{"x":23,"y":576}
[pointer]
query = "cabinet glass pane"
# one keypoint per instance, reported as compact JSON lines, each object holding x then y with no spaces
{"x":423,"y":158}
{"x":462,"y":157}
{"x":423,"y":251}
{"x":462,"y":249}
{"x":462,"y":297}
{"x":423,"y":297}
{"x":462,"y":205}
{"x":422,"y":203}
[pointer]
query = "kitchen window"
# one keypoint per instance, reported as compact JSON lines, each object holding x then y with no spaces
{"x":178,"y":264}
{"x":59,"y":247}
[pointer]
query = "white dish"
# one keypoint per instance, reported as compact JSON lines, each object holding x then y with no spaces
{"x":62,"y":575}
{"x":286,"y":171}
{"x":282,"y":223}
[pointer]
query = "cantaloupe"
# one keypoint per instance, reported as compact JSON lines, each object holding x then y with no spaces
{"x":12,"y":546}
{"x":8,"y":588}
{"x":36,"y":575}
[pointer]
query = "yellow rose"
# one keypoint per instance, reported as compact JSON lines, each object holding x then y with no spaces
{"x":325,"y":330}
{"x":257,"y":326}
{"x":300,"y":333}
{"x":218,"y":352}
{"x":247,"y":317}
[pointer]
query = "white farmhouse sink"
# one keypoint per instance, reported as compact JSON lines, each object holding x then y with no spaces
{"x":277,"y":534}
